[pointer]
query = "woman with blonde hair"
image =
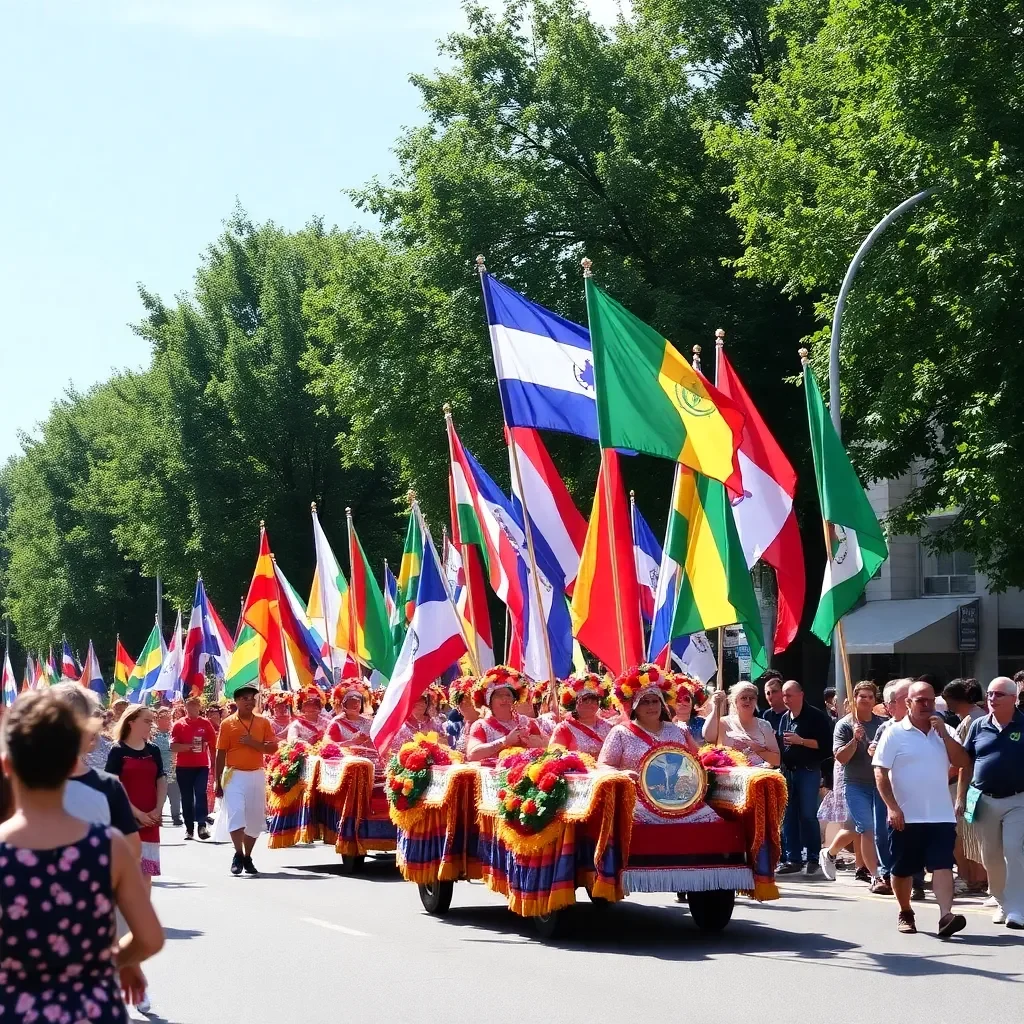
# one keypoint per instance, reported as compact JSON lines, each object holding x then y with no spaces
{"x":741,"y":729}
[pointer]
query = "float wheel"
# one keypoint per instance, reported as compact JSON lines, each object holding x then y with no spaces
{"x":352,"y":864}
{"x":436,"y":897}
{"x":711,"y":911}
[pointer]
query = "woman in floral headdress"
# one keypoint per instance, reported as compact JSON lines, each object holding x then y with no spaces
{"x":584,"y":731}
{"x":646,"y":695}
{"x":499,"y":689}
{"x":690,"y":695}
{"x":420,"y":720}
{"x":309,"y":702}
{"x":279,"y":704}
{"x":350,"y":727}
{"x":460,"y":697}
{"x":540,"y":697}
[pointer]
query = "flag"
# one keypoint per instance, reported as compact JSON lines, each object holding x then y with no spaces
{"x":258,"y":656}
{"x":408,"y":578}
{"x":558,"y":528}
{"x":856,"y":543}
{"x":374,"y":644}
{"x":52,"y":675}
{"x":432,"y":643}
{"x":327,"y":607}
{"x":765,"y":517}
{"x":8,"y":686}
{"x":206,"y":640}
{"x":455,"y":579}
{"x":123,"y":669}
{"x":29,"y":679}
{"x":304,"y":646}
{"x":714,"y":587}
{"x":40,"y":677}
{"x":147,"y":669}
{"x":647,"y":559}
{"x":390,"y":596}
{"x":92,"y":677}
{"x":649,"y":398}
{"x":487,"y":518}
{"x":594,"y":600}
{"x":168,"y":680}
{"x":69,"y":669}
{"x":465,"y":561}
{"x":543,"y":363}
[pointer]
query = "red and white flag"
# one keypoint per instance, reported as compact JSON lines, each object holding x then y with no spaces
{"x":764,"y":515}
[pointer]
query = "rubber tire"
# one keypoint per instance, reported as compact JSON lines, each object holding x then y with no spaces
{"x":549,"y":926}
{"x":437,"y":897}
{"x":352,"y":864}
{"x":711,"y":911}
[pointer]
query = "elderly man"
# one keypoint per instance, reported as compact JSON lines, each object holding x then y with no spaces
{"x":912,"y":762}
{"x":995,"y":798}
{"x":805,"y":739}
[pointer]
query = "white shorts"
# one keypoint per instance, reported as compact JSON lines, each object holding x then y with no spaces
{"x":245,"y":802}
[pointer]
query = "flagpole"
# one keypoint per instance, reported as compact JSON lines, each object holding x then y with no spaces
{"x":351,"y":594}
{"x":840,"y":636}
{"x":632,"y":528}
{"x":323,"y":604}
{"x":481,"y":269}
{"x":679,"y":565}
{"x":415,"y":509}
{"x":463,"y":547}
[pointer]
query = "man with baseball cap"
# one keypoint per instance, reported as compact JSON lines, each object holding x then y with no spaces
{"x":244,"y":739}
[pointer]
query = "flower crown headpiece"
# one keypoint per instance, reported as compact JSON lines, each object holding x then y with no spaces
{"x":501,"y":676}
{"x":349,"y":688}
{"x":634,"y":682}
{"x":436,"y":694}
{"x":539,"y":690}
{"x":693,"y":686}
{"x":587,"y":682}
{"x":277,"y":699}
{"x":308,"y":695}
{"x":460,"y":689}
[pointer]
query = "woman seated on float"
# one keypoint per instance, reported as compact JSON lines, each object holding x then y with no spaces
{"x":279,"y":704}
{"x":350,"y":728}
{"x":646,"y":694}
{"x":741,"y":729}
{"x":460,"y":697}
{"x":690,"y":696}
{"x":540,"y":701}
{"x":499,"y":689}
{"x":309,"y":702}
{"x":420,"y":720}
{"x":584,"y":730}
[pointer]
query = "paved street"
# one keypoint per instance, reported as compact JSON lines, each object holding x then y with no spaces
{"x":301,"y":943}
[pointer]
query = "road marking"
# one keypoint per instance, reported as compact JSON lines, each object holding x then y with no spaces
{"x":335,"y":927}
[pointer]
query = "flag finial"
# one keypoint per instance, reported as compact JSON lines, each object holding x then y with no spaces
{"x":348,"y":511}
{"x":411,"y":495}
{"x":803,"y":353}
{"x":587,"y":263}
{"x":719,"y":337}
{"x":481,"y":266}
{"x":312,"y":506}
{"x":696,"y":357}
{"x":199,"y":576}
{"x":263,"y":524}
{"x":447,"y":408}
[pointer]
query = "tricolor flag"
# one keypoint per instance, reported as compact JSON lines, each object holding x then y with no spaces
{"x":594,"y":617}
{"x":373,"y":641}
{"x":765,"y":517}
{"x":856,"y":543}
{"x":649,"y":398}
{"x":92,"y":677}
{"x":327,"y":607}
{"x":543,"y":363}
{"x":69,"y":669}
{"x":465,"y":562}
{"x":8,"y":685}
{"x":408,"y":578}
{"x":206,"y":640}
{"x":647,"y":559}
{"x":147,"y":668}
{"x":168,"y":680}
{"x":303,"y":647}
{"x":124,"y":666}
{"x":432,"y":643}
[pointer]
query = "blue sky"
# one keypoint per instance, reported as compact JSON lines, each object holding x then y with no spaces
{"x":129,"y":128}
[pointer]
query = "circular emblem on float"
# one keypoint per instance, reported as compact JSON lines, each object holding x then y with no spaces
{"x":672,"y":780}
{"x":692,"y":403}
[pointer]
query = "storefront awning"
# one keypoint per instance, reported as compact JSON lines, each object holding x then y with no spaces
{"x":926,"y":625}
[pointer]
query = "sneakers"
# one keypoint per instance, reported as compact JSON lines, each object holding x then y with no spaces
{"x":881,"y":887}
{"x":862,"y":875}
{"x":786,"y":868}
{"x":189,"y":834}
{"x":827,"y":863}
{"x":991,"y":902}
{"x":917,"y":894}
{"x":810,"y":870}
{"x":905,"y":923}
{"x":950,"y":924}
{"x":203,"y":832}
{"x":237,"y":863}
{"x":999,"y":917}
{"x":1015,"y":920}
{"x":248,"y":866}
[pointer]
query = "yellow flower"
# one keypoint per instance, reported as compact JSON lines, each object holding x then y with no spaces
{"x":407,"y":786}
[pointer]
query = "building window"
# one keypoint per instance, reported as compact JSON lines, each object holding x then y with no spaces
{"x":948,"y":572}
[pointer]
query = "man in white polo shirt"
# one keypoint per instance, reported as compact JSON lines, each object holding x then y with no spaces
{"x":912,"y":762}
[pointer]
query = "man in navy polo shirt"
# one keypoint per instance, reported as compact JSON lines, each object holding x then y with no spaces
{"x":996,"y":793}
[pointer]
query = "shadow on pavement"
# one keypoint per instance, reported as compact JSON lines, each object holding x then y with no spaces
{"x":373,"y":869}
{"x":182,"y":933}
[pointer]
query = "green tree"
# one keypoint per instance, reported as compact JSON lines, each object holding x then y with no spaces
{"x":874,"y":103}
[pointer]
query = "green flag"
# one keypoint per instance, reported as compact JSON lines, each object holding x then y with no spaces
{"x":408,"y":578}
{"x":856,"y":544}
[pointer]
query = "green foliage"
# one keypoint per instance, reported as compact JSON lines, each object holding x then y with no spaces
{"x":874,"y":103}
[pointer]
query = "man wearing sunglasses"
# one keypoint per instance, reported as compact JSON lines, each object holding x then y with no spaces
{"x":995,"y":797}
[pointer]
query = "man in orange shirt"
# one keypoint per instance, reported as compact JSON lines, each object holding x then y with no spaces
{"x":244,"y":739}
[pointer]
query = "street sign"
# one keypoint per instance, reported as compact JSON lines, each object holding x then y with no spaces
{"x":968,"y":626}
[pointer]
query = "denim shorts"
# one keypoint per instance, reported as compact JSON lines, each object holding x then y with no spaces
{"x":860,"y":800}
{"x":922,"y":845}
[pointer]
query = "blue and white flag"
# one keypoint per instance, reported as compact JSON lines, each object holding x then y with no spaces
{"x":10,"y":686}
{"x":544,"y":364}
{"x":647,"y":558}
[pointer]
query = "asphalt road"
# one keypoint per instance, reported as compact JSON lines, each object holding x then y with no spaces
{"x":302,"y":943}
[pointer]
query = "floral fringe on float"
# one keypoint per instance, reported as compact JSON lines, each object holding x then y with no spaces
{"x":291,"y":788}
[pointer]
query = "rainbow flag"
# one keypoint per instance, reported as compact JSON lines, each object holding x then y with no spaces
{"x":374,"y":644}
{"x":124,"y":666}
{"x":649,"y":398}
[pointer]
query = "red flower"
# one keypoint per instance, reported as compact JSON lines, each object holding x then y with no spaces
{"x":529,"y":807}
{"x":547,"y":782}
{"x":513,"y":802}
{"x":502,"y":793}
{"x":515,"y":775}
{"x":416,"y":761}
{"x":402,"y":803}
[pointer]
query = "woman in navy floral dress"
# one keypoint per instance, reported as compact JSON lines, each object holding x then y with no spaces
{"x":60,"y":881}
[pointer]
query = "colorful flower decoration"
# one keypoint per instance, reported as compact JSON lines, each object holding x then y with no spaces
{"x":350,"y":687}
{"x":409,"y":770}
{"x":635,"y":681}
{"x":712,"y":757}
{"x":437,"y":696}
{"x":308,"y":695}
{"x":538,"y":691}
{"x":330,"y":751}
{"x":684,"y":681}
{"x":496,"y":678}
{"x":532,"y":788}
{"x":587,"y":682}
{"x":276,"y":699}
{"x":460,"y":689}
{"x":285,"y":767}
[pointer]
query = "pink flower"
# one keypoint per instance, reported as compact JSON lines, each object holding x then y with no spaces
{"x":53,"y":1013}
{"x":70,"y":854}
{"x":25,"y":1001}
{"x":26,"y":857}
{"x":59,"y":945}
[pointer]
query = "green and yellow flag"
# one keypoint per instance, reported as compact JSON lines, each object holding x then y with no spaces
{"x":408,"y":578}
{"x":649,"y":398}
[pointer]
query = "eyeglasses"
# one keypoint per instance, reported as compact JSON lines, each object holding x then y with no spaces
{"x":993,"y":694}
{"x":924,"y":701}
